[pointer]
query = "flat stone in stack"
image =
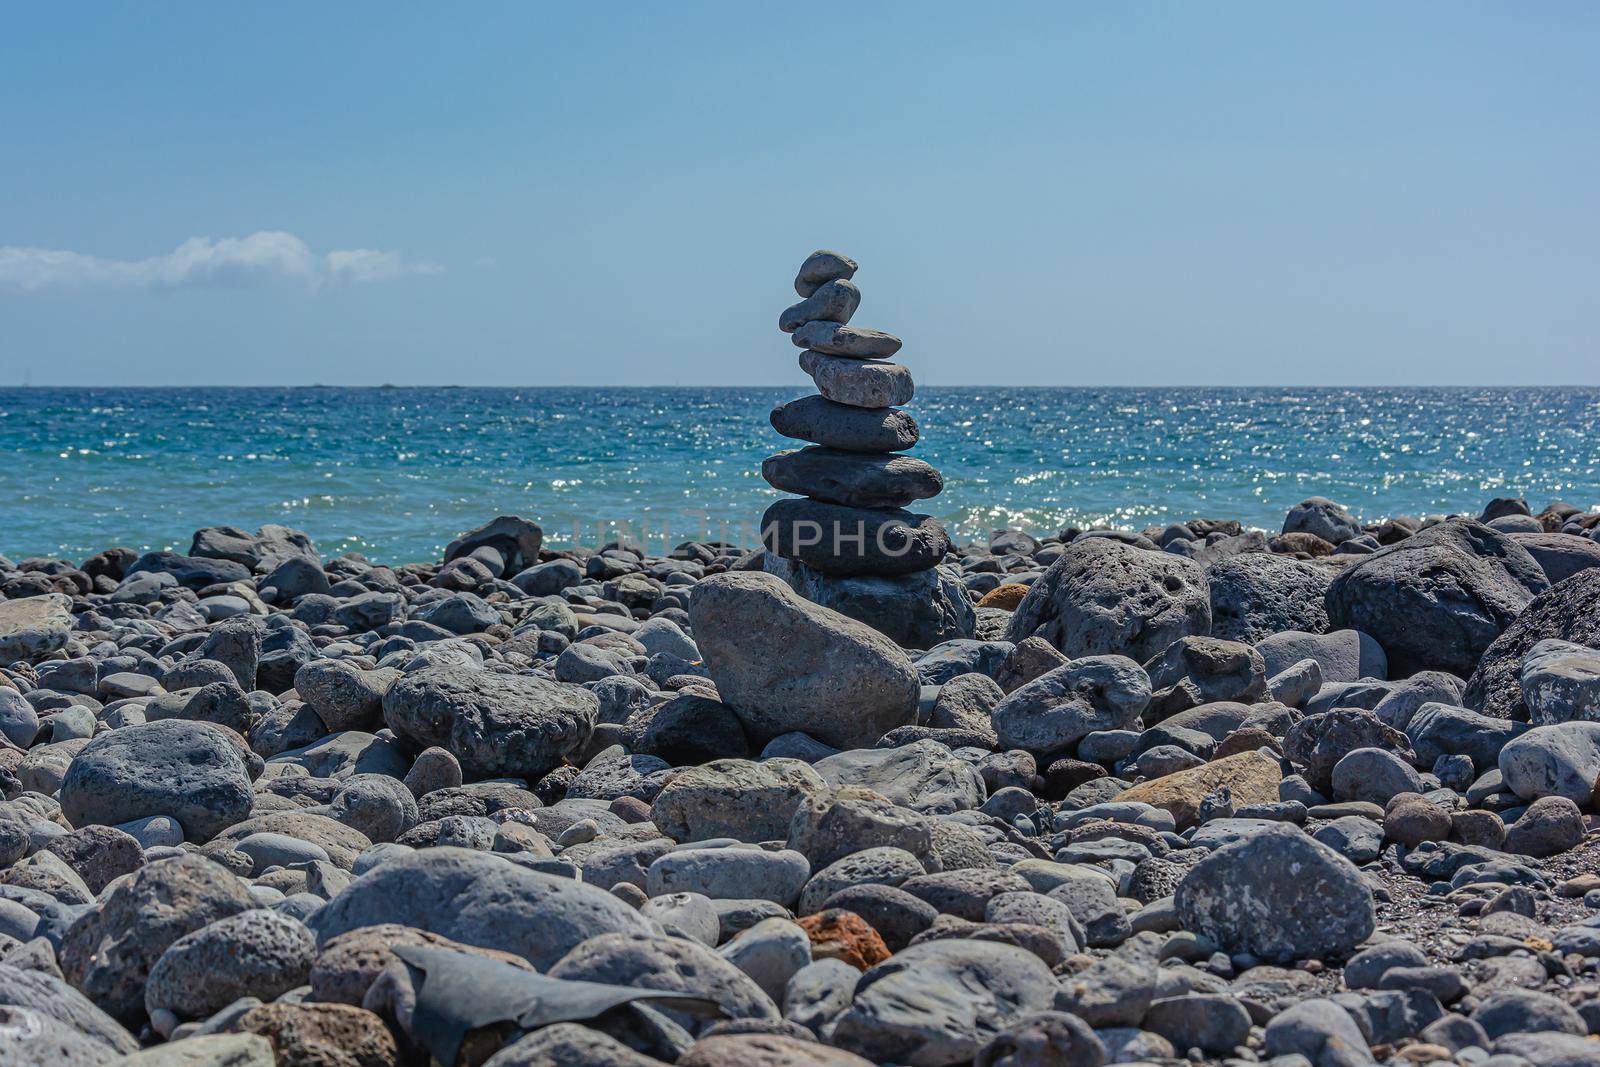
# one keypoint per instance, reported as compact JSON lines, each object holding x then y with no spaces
{"x":848,"y":542}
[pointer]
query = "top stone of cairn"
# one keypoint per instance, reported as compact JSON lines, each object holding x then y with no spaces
{"x":822,"y":267}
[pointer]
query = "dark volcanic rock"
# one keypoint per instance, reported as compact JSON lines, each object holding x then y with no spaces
{"x":917,"y":610}
{"x":1102,"y":597}
{"x":853,"y":479}
{"x":191,"y":771}
{"x":817,"y":419}
{"x":1438,"y":599}
{"x":1257,"y":594}
{"x":1568,"y":611}
{"x":850,"y":541}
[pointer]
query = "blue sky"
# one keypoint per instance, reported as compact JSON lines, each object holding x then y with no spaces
{"x":1063,"y":193}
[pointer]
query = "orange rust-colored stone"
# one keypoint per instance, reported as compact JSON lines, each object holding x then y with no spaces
{"x":837,"y":934}
{"x":1005,"y":597}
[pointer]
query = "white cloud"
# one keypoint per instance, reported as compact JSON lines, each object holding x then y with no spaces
{"x":264,"y":257}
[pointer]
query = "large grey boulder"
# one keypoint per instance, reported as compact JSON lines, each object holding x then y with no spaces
{"x":784,"y":664}
{"x":45,"y":994}
{"x":1567,"y":611}
{"x":917,"y":610}
{"x":1554,"y":761}
{"x":481,"y":899}
{"x":1560,"y":555}
{"x":497,"y":725}
{"x":33,"y":627}
{"x":1438,"y":729}
{"x":1439,"y":598}
{"x":1257,"y":594}
{"x":1341,"y":656}
{"x":941,"y":1002}
{"x":1057,"y":709}
{"x":1102,"y":597}
{"x":109,"y":952}
{"x":517,"y":540}
{"x":191,"y":771}
{"x":1561,"y":682}
{"x":1277,"y":895}
{"x":261,"y":551}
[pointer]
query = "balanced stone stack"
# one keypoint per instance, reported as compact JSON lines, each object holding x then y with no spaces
{"x":850,"y":521}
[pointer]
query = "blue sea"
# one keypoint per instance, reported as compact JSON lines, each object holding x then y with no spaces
{"x":396,"y":473}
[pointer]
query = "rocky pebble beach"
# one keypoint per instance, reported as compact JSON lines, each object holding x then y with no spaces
{"x":1315,"y":797}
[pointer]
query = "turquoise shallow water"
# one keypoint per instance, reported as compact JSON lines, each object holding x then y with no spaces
{"x":396,"y":473}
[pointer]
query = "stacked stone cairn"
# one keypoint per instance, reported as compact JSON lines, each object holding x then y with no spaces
{"x":849,"y":520}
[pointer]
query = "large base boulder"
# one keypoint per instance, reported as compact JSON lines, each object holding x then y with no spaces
{"x":785,"y":664}
{"x":836,"y":539}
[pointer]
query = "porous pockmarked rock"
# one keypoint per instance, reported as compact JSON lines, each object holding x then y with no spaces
{"x":1102,"y":597}
{"x":191,"y":771}
{"x":1277,"y":895}
{"x":1439,"y":598}
{"x":108,"y":953}
{"x":785,"y":664}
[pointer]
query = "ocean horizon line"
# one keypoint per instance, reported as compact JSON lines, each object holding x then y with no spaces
{"x":1165,"y":386}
